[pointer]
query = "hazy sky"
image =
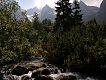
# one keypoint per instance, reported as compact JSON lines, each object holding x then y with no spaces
{"x":26,"y":4}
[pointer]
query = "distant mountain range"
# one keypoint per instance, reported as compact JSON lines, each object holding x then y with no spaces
{"x":89,"y":12}
{"x":45,"y":13}
{"x":101,"y":15}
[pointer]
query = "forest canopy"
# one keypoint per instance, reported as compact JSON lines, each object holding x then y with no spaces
{"x":67,"y":41}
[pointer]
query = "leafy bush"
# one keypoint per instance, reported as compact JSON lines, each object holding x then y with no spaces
{"x":83,"y":46}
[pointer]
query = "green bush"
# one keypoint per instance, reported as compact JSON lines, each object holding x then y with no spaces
{"x":81,"y":46}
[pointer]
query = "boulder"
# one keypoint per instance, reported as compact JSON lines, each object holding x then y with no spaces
{"x":10,"y":77}
{"x":44,"y":65}
{"x":45,"y":72}
{"x":35,"y":74}
{"x":40,"y":71}
{"x":25,"y":77}
{"x":1,"y":76}
{"x":64,"y":76}
{"x":56,"y":71}
{"x":72,"y":77}
{"x":31,"y":68}
{"x":45,"y":77}
{"x":19,"y":70}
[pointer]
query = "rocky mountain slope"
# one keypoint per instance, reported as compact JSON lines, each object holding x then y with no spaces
{"x":101,"y":15}
{"x":88,"y":11}
{"x":49,"y":13}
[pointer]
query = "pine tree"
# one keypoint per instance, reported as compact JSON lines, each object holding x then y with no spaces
{"x":64,"y":17}
{"x":77,"y":13}
{"x":36,"y":22}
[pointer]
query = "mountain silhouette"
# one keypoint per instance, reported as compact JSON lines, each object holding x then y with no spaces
{"x":101,"y":15}
{"x":47,"y":13}
{"x":89,"y":12}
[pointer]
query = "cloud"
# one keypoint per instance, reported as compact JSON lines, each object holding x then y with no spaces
{"x":26,"y":4}
{"x":51,"y":3}
{"x":93,"y":2}
{"x":39,"y":3}
{"x":42,"y":3}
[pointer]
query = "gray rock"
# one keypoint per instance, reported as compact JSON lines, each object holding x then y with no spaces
{"x":18,"y":70}
{"x":25,"y":77}
{"x":45,"y":77}
{"x":45,"y":72}
{"x":35,"y":74}
{"x":40,"y":71}
{"x":64,"y":76}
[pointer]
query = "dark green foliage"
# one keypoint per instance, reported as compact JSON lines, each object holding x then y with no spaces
{"x":58,"y":48}
{"x":89,"y":51}
{"x":41,"y":30}
{"x":15,"y":40}
{"x":73,"y":44}
{"x":68,"y":15}
{"x":77,"y":13}
{"x":64,"y":17}
{"x":47,"y":25}
{"x":36,"y":23}
{"x":82,"y":46}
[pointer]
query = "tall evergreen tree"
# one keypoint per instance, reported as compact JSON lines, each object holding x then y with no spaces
{"x":64,"y":17}
{"x":77,"y":13}
{"x":36,"y":22}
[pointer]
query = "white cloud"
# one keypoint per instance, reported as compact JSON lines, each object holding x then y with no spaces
{"x":39,"y":3}
{"x":93,"y":2}
{"x":42,"y":3}
{"x":51,"y":3}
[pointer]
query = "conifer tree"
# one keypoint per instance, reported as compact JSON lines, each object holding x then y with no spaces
{"x":77,"y":13}
{"x":64,"y":17}
{"x":36,"y":23}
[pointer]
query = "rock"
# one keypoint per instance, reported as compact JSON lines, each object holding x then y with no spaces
{"x":56,"y":71}
{"x":45,"y":77}
{"x":40,"y":71}
{"x":45,"y":72}
{"x":18,"y":70}
{"x":25,"y":77}
{"x":31,"y":68}
{"x":41,"y":77}
{"x":62,"y":71}
{"x":44,"y":65}
{"x":64,"y":76}
{"x":72,"y":77}
{"x":10,"y":77}
{"x":1,"y":76}
{"x":35,"y":74}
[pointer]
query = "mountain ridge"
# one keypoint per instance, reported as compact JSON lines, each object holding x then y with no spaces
{"x":49,"y":13}
{"x":101,"y":15}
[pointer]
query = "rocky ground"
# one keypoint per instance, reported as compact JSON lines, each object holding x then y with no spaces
{"x":37,"y":69}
